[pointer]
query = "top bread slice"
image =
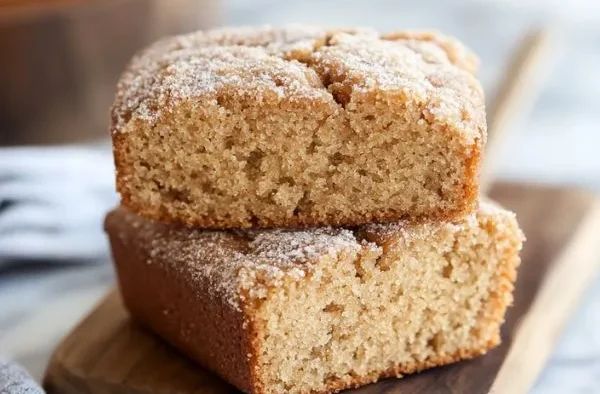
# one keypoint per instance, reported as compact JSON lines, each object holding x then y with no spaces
{"x":299,"y":126}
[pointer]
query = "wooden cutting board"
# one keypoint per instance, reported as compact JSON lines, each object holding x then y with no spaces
{"x":109,"y":354}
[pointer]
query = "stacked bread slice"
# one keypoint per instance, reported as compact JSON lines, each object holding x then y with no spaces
{"x":299,"y":206}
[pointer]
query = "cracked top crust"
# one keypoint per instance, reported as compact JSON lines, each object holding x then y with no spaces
{"x":300,"y":66}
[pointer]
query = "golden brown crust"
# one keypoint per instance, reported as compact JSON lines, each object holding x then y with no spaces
{"x":185,"y":313}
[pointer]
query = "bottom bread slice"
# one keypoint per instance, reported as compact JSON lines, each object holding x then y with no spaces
{"x":320,"y":310}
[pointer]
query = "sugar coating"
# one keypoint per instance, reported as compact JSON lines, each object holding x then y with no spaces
{"x":246,"y":263}
{"x":234,"y":260}
{"x":404,"y":230}
{"x":280,"y":60}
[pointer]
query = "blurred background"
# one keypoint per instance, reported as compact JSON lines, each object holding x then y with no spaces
{"x":60,"y":60}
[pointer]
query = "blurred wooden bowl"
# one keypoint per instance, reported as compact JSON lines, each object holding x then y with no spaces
{"x":60,"y":60}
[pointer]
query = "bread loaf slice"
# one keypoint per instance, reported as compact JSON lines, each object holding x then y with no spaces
{"x":299,"y":126}
{"x":320,"y":310}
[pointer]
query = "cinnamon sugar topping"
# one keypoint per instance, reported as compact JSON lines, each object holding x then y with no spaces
{"x":296,"y":63}
{"x":234,"y":260}
{"x":250,"y":261}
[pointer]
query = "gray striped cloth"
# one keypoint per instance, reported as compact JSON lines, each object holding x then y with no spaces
{"x":53,"y":201}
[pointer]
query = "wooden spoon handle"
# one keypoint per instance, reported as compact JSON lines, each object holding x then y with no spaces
{"x":519,"y":89}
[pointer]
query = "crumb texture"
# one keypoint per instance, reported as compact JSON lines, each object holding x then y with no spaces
{"x":327,"y":309}
{"x":263,"y":127}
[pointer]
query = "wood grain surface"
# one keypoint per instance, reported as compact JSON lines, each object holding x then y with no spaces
{"x":109,"y":354}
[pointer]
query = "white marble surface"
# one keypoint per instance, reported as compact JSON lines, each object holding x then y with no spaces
{"x":558,"y":143}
